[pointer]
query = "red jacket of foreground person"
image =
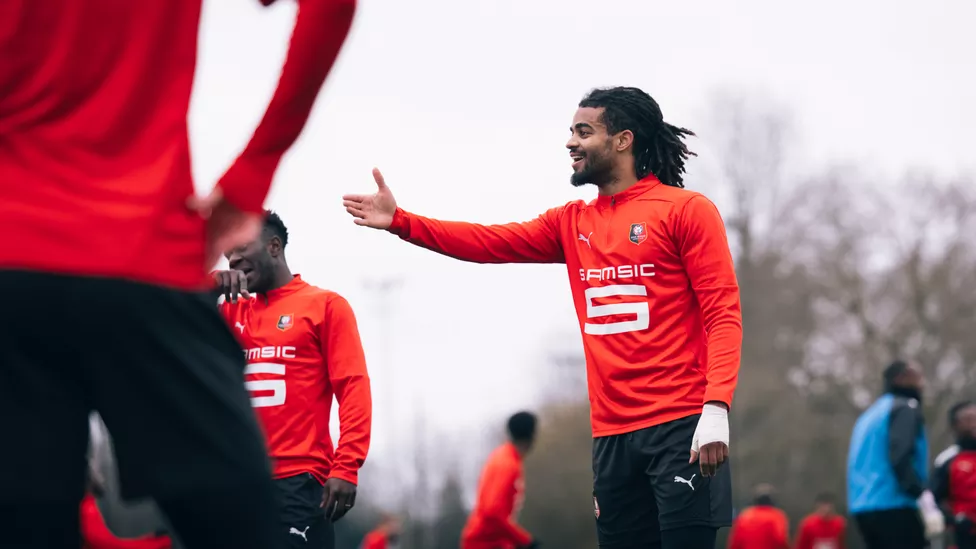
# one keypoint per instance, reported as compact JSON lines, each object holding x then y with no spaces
{"x":94,"y":147}
{"x":96,"y":535}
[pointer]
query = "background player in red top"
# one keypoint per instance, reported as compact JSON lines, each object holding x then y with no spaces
{"x":824,"y":528}
{"x":110,"y":265}
{"x":302,"y":347}
{"x":762,"y":525}
{"x":384,"y":536}
{"x":658,"y":304}
{"x":954,"y":479}
{"x":493,"y":523}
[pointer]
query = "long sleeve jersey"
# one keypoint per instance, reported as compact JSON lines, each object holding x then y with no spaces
{"x":94,"y":148}
{"x":302,"y":347}
{"x":654,"y":288}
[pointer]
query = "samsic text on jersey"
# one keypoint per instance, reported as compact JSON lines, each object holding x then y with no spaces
{"x":302,"y":346}
{"x":654,"y":288}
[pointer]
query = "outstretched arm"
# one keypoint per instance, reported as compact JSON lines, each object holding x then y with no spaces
{"x":535,"y":241}
{"x":529,"y":242}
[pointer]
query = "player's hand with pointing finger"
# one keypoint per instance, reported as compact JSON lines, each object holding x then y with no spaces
{"x":372,"y":210}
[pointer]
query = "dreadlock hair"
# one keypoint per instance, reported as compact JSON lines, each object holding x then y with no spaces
{"x":274,"y":226}
{"x":659,"y":148}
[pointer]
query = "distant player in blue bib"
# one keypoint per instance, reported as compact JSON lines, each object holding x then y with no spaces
{"x":887,"y":466}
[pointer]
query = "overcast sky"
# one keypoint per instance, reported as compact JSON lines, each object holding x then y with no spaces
{"x":465,"y":106}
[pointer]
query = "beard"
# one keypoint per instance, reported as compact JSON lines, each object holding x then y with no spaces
{"x":597,"y":170}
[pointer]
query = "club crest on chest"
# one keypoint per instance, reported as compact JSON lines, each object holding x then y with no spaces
{"x":285,"y":322}
{"x":638,"y":232}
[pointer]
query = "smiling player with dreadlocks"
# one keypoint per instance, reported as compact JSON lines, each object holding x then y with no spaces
{"x":658,"y":305}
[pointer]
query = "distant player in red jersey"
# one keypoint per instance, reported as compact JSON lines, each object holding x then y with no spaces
{"x":824,"y":528}
{"x":658,"y":304}
{"x":302,"y":347}
{"x":954,"y":479}
{"x":761,"y":526}
{"x":493,"y":523}
{"x":384,"y":536}
{"x":106,"y":279}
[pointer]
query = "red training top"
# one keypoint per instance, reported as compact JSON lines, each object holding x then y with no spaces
{"x":302,"y":346}
{"x":94,"y":152}
{"x":954,"y":480}
{"x":821,"y":532}
{"x":654,"y":288}
{"x":375,"y":540}
{"x":492,"y":524}
{"x":760,"y":527}
{"x":96,"y":535}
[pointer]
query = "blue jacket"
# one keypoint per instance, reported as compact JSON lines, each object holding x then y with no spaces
{"x":887,"y":461}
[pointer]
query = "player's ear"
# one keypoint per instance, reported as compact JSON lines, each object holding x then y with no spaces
{"x":623,"y":140}
{"x":274,"y":246}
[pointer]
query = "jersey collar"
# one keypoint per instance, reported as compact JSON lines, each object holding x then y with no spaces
{"x":633,"y":191}
{"x":295,"y":285}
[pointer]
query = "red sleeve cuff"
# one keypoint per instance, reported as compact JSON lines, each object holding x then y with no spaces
{"x":348,"y":476}
{"x":399,"y":222}
{"x":718,"y":394}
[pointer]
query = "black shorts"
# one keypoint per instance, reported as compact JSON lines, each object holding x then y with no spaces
{"x":159,"y":365}
{"x":303,"y":522}
{"x":892,"y":529}
{"x":643,"y":484}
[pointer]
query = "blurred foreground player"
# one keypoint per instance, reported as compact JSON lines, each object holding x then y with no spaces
{"x":954,"y":479}
{"x":501,"y":491}
{"x":105,"y":280}
{"x":824,"y":528}
{"x":658,"y":304}
{"x":95,"y":534}
{"x":302,"y":347}
{"x":762,"y":525}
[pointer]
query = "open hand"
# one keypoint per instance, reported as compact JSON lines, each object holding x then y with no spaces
{"x":227,"y":226}
{"x":338,"y":497}
{"x":372,"y":210}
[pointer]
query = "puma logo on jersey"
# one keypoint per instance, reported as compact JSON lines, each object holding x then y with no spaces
{"x":239,"y":326}
{"x":298,"y":532}
{"x":688,"y":481}
{"x":586,"y":239}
